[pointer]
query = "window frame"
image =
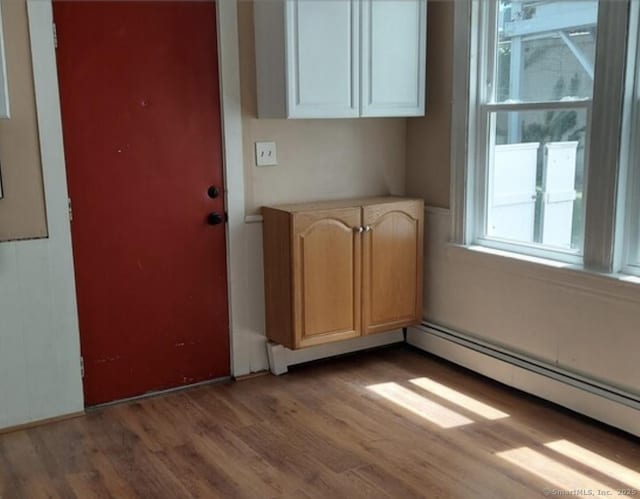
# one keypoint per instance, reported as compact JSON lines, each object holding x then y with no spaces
{"x":469,"y":162}
{"x":487,"y":105}
{"x":629,"y":203}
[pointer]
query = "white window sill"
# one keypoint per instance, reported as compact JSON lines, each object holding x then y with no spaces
{"x":615,"y":285}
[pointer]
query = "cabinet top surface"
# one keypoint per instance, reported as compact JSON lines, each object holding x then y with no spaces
{"x":340,"y":203}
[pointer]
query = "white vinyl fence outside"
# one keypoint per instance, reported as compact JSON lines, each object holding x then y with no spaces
{"x":558,"y":193}
{"x":512,"y":193}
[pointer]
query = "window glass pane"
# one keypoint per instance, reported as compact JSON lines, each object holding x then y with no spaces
{"x":631,"y":182}
{"x":536,"y":177}
{"x":545,"y":49}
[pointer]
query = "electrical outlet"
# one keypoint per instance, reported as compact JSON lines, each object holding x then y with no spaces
{"x":266,"y":154}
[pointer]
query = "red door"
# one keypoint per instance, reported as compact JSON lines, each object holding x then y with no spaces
{"x":141,"y":121}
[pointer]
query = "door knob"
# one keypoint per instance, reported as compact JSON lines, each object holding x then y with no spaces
{"x":215,"y":218}
{"x":213,"y":192}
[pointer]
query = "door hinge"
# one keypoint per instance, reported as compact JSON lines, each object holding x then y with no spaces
{"x":55,"y":36}
{"x":70,"y":210}
{"x":82,"y":367}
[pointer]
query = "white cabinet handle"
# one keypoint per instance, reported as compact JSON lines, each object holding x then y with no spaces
{"x":359,"y":230}
{"x":367,"y":228}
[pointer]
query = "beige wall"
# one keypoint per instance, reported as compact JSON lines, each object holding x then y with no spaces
{"x":22,"y":210}
{"x":429,"y":138}
{"x":318,"y":159}
{"x":586,"y":324}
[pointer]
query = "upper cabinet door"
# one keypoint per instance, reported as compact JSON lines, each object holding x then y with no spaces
{"x":322,"y":51}
{"x":392,"y":265}
{"x":393,"y":57}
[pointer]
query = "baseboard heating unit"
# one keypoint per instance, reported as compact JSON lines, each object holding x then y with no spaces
{"x":581,"y":394}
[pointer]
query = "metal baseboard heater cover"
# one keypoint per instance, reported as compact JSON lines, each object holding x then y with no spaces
{"x":536,"y":366}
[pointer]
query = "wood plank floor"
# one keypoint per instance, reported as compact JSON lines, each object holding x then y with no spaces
{"x":390,"y":423}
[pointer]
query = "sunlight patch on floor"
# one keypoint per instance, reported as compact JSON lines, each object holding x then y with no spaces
{"x":419,"y":405}
{"x":457,"y":398}
{"x":596,"y":461}
{"x":554,"y":472}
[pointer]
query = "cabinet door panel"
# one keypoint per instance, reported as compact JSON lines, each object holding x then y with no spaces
{"x":327,"y":266}
{"x":392,"y":266}
{"x":323,"y":54}
{"x":393,"y":57}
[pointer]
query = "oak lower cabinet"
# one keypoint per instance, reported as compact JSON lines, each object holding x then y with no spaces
{"x":342,"y":269}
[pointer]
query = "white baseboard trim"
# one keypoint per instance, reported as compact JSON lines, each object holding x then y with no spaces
{"x":588,"y":399}
{"x":280,"y":358}
{"x":253,"y":219}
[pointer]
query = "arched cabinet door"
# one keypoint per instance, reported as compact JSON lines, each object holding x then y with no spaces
{"x":392,"y":265}
{"x":326,"y":275}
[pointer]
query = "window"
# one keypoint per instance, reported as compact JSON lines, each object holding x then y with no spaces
{"x":537,"y":131}
{"x":630,"y":179}
{"x":535,"y":88}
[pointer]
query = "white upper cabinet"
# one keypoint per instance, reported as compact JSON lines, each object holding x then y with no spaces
{"x":340,"y":58}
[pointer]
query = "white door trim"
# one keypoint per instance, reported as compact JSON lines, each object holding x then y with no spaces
{"x":238,"y":263}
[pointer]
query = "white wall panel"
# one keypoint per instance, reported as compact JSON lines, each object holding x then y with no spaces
{"x":39,"y":341}
{"x":13,"y":388}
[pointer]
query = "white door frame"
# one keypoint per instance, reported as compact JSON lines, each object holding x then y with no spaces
{"x":48,"y":109}
{"x":238,"y":256}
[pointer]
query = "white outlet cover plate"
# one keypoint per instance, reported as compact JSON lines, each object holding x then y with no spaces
{"x":266,"y":154}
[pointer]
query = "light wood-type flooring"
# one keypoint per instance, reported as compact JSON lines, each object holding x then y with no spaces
{"x":390,"y":423}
